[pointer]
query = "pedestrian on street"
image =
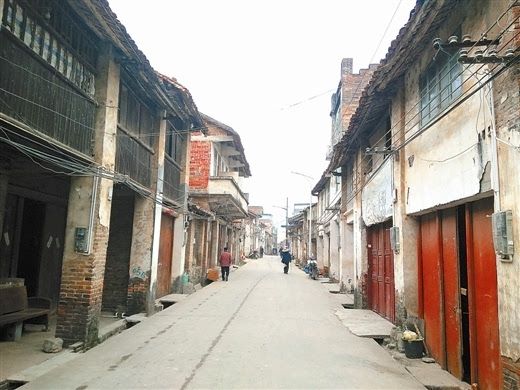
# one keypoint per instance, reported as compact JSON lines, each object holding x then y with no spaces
{"x":225,"y":262}
{"x":286,"y":259}
{"x":261,"y":251}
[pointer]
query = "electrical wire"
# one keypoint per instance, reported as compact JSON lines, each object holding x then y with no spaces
{"x":460,"y":100}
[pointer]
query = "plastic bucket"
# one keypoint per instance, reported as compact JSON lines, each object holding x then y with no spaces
{"x":413,"y":349}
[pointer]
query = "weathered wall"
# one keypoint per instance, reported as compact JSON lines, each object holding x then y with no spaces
{"x":334,"y":249}
{"x":200,"y":161}
{"x":140,"y":255}
{"x":377,"y":200}
{"x":506,"y":104}
{"x":82,"y":275}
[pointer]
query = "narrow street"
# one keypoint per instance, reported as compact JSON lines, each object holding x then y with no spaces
{"x":262,"y":329}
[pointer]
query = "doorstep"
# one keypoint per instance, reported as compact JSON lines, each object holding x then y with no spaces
{"x":365,"y":323}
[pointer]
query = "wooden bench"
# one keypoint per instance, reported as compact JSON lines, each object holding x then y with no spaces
{"x":16,"y":310}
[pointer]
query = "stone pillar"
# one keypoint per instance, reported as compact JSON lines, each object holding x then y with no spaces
{"x":214,"y":243}
{"x":505,"y":100}
{"x":179,"y":249}
{"x":140,"y":255}
{"x":81,"y":291}
{"x":405,"y":262}
{"x":158,"y":177}
{"x":360,"y":237}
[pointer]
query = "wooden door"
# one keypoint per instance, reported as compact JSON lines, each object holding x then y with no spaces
{"x":381,"y":271}
{"x":451,"y":290}
{"x":485,"y":348}
{"x":431,"y":258}
{"x":164,"y":268}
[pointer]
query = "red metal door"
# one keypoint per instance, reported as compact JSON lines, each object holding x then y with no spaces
{"x":164,"y":268}
{"x":432,"y":286}
{"x":451,"y":289}
{"x":483,"y":296}
{"x":381,"y":270}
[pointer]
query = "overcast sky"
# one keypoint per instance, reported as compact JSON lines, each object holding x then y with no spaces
{"x":248,"y":63}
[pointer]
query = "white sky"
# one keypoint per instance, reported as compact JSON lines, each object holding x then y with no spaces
{"x":245,"y":62}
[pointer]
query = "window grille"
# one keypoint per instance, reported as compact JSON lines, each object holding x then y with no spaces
{"x":71,"y":53}
{"x":440,"y":86}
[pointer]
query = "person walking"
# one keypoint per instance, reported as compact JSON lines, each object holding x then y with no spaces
{"x":286,"y":259}
{"x":225,"y":262}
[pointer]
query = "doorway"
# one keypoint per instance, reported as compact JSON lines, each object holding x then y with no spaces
{"x":381,"y":291}
{"x":459,"y":290}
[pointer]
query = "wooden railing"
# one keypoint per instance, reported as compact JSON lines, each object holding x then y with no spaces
{"x":133,"y":158}
{"x":34,"y":94}
{"x":173,"y":189}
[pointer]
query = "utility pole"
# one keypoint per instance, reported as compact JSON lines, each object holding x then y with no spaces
{"x":309,"y":243}
{"x":286,"y":221}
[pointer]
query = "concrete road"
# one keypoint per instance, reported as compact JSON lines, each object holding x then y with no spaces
{"x":260,"y":330}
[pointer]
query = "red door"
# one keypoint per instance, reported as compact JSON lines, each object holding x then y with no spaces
{"x":451,"y":289}
{"x":483,"y":296}
{"x":381,"y":291}
{"x":451,"y":240}
{"x":431,"y":257}
{"x":164,"y":268}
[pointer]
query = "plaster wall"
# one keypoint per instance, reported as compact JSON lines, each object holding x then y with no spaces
{"x":335,"y":266}
{"x":377,"y":198}
{"x":347,"y":255}
{"x":506,"y":101}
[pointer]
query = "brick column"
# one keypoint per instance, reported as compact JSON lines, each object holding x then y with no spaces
{"x":81,"y":291}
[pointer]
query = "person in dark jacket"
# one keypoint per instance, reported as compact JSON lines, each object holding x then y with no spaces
{"x":286,"y":259}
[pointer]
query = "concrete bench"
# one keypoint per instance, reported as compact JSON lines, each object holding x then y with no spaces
{"x":16,"y":310}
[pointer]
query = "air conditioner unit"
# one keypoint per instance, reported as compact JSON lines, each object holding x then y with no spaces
{"x":502,"y":222}
{"x":394,"y":239}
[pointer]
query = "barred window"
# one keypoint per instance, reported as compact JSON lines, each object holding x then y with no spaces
{"x":51,"y":47}
{"x":440,"y":86}
{"x":135,"y":117}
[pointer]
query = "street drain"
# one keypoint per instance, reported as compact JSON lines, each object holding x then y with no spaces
{"x":348,"y":305}
{"x":10,"y":384}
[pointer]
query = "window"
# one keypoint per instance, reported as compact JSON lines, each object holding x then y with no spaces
{"x":440,"y":86}
{"x":55,"y":49}
{"x":134,"y":116}
{"x":174,"y":141}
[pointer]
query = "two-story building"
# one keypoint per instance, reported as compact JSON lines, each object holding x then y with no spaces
{"x":218,"y":170}
{"x":91,"y":188}
{"x":432,"y":157}
{"x":334,"y":223}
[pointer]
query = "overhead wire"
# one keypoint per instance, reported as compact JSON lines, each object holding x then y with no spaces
{"x":365,"y":158}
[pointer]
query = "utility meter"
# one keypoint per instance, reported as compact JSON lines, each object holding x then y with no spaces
{"x":81,"y":240}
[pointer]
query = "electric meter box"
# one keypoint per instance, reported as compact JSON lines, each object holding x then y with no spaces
{"x":502,"y":222}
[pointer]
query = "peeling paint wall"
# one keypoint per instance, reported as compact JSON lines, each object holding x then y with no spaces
{"x":377,"y":196}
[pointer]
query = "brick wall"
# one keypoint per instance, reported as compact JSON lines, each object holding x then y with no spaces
{"x":118,"y":253}
{"x":81,"y":292}
{"x":352,"y":87}
{"x":200,"y":163}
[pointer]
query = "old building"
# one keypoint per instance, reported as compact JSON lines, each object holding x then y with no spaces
{"x":431,"y":154}
{"x":93,"y":152}
{"x":218,"y":170}
{"x":334,"y":251}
